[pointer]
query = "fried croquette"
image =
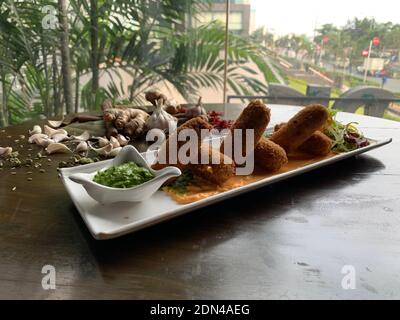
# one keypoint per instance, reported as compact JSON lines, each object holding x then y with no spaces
{"x":319,"y":144}
{"x":255,"y":116}
{"x":301,"y":127}
{"x":220,"y":168}
{"x":196,"y":124}
{"x":269,"y":156}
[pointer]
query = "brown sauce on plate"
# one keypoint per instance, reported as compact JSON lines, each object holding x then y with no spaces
{"x":203,"y":190}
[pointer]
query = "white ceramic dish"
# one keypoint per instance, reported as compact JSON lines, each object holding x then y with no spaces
{"x":107,"y":195}
{"x":114,"y":220}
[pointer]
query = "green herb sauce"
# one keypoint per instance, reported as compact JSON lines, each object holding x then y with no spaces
{"x":127,"y":175}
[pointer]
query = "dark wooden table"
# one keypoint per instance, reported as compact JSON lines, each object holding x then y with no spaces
{"x":288,"y":241}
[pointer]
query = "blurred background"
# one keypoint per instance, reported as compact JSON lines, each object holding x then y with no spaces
{"x":66,"y":56}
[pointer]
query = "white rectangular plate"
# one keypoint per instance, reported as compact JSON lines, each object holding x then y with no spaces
{"x":111,"y":221}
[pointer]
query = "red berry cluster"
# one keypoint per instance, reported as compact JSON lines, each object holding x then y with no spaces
{"x":356,"y":139}
{"x":181,"y":109}
{"x":216,"y":121}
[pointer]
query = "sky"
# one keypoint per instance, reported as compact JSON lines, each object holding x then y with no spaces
{"x":301,"y":16}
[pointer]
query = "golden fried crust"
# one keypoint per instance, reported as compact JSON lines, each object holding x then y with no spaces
{"x":319,"y":144}
{"x":255,"y":116}
{"x":215,"y":173}
{"x":301,"y":127}
{"x":196,"y":124}
{"x":279,"y":126}
{"x":269,"y":156}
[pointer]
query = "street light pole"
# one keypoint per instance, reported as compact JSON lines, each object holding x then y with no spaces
{"x":366,"y":67}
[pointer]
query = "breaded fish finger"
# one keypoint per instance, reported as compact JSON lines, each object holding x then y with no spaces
{"x":255,"y":116}
{"x":319,"y":144}
{"x":269,"y":156}
{"x":301,"y":127}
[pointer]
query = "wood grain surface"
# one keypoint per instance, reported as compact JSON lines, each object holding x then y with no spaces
{"x":288,"y":241}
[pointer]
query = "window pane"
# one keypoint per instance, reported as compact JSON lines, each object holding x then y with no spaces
{"x":322,"y":50}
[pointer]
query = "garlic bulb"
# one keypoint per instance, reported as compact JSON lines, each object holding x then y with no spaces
{"x":5,"y":152}
{"x":160,"y":119}
{"x":196,"y":111}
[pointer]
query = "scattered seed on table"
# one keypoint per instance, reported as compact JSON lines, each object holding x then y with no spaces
{"x":29,"y":172}
{"x":29,"y":179}
{"x":14,"y":188}
{"x":42,"y":170}
{"x":48,"y":159}
{"x":13,"y":173}
{"x":16,"y":141}
{"x":22,"y":136}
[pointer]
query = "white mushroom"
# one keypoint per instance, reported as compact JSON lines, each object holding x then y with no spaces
{"x":85,"y":136}
{"x":114,"y":142}
{"x":104,"y":151}
{"x":36,"y":130}
{"x":82,"y":147}
{"x":123,"y":141}
{"x":55,"y":123}
{"x":57,"y":148}
{"x":43,"y":142}
{"x":5,"y":152}
{"x":33,"y":138}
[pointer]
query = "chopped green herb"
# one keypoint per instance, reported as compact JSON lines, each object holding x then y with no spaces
{"x":126,"y":175}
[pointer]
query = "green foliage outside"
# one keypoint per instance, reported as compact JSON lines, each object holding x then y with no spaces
{"x":151,"y":41}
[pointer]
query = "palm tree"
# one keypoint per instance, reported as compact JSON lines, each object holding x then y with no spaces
{"x":65,"y":54}
{"x":151,"y":41}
